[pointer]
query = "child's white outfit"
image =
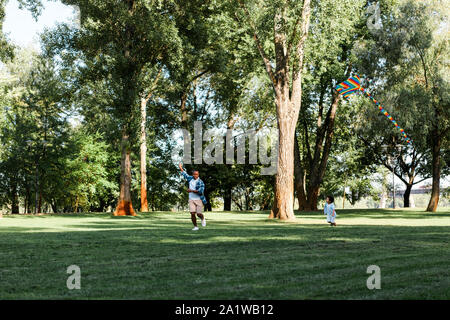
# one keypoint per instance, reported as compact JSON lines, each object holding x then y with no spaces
{"x":329,"y":212}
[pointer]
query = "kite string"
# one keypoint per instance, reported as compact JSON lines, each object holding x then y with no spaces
{"x":383,"y":111}
{"x":352,"y":85}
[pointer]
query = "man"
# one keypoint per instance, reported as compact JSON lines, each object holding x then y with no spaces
{"x":196,"y":196}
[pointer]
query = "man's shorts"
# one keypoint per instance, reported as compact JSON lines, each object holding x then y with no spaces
{"x":195,"y":206}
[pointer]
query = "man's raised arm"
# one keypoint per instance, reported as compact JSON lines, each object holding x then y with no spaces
{"x":185,"y":175}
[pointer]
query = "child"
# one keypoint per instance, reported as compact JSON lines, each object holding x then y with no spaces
{"x":329,"y":210}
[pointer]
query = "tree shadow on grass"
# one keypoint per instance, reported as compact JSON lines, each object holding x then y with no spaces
{"x":174,"y":229}
{"x":14,"y":229}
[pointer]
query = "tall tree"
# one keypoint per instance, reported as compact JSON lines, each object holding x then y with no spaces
{"x":290,"y":27}
{"x":328,"y":61}
{"x":143,"y":139}
{"x":118,"y":42}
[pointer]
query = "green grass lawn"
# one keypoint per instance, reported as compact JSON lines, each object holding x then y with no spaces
{"x":237,"y":256}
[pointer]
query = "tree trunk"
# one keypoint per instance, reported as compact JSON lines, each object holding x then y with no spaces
{"x":239,"y":205}
{"x":406,"y":196}
{"x":227,"y":198}
{"x":76,"y":204}
{"x":248,"y":200}
{"x":319,"y":162}
{"x":54,"y":207}
{"x":265,"y":203}
{"x":409,"y":185}
{"x":208,"y":203}
{"x":288,"y":102}
{"x":144,"y":202}
{"x":25,"y":205}
{"x":15,"y":205}
{"x":343,"y":197}
{"x":15,"y":199}
{"x":273,"y":210}
{"x":40,"y":201}
{"x":27,"y":198}
{"x":313,"y":198}
{"x":183,"y":109}
{"x":143,"y":141}
{"x":284,"y":180}
{"x":436,"y":167}
{"x":299,"y":176}
{"x":36,"y":188}
{"x":124,"y":206}
{"x":322,"y":165}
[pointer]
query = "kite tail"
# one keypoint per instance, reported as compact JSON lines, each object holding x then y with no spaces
{"x":383,"y":111}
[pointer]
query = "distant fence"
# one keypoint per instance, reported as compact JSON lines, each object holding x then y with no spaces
{"x":415,"y":191}
{"x":400,"y":193}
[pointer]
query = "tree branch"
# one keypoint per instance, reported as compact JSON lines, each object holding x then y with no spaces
{"x":152,"y":88}
{"x":296,"y":78}
{"x":258,"y":44}
{"x":293,"y":34}
{"x":281,"y":57}
{"x":307,"y":145}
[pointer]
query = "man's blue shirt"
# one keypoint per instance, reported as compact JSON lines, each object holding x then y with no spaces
{"x":200,"y":187}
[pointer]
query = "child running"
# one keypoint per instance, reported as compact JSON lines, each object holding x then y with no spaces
{"x":329,"y":211}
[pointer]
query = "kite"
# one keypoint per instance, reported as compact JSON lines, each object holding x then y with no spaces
{"x":352,"y":85}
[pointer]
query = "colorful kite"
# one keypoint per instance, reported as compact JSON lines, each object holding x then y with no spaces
{"x":352,"y":85}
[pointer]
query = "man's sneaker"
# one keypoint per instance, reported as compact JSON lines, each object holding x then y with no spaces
{"x":204,"y":223}
{"x":195,"y":229}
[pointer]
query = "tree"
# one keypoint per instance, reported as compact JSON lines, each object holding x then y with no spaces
{"x":14,"y":76}
{"x":6,"y":50}
{"x":408,"y":61}
{"x":242,"y":93}
{"x":35,"y":131}
{"x":143,"y":141}
{"x":114,"y":43}
{"x":384,"y":147}
{"x":328,"y":61}
{"x":85,"y":171}
{"x":290,"y":30}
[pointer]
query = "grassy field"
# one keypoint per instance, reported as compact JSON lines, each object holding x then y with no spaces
{"x":237,"y":256}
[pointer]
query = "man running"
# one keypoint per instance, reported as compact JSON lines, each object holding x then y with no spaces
{"x":196,"y":196}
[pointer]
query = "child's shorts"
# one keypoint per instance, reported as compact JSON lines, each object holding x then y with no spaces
{"x":330,"y":218}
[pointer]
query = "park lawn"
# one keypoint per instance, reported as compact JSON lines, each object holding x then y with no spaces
{"x":237,"y":256}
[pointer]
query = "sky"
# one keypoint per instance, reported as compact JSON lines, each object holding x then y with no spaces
{"x":23,"y":30}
